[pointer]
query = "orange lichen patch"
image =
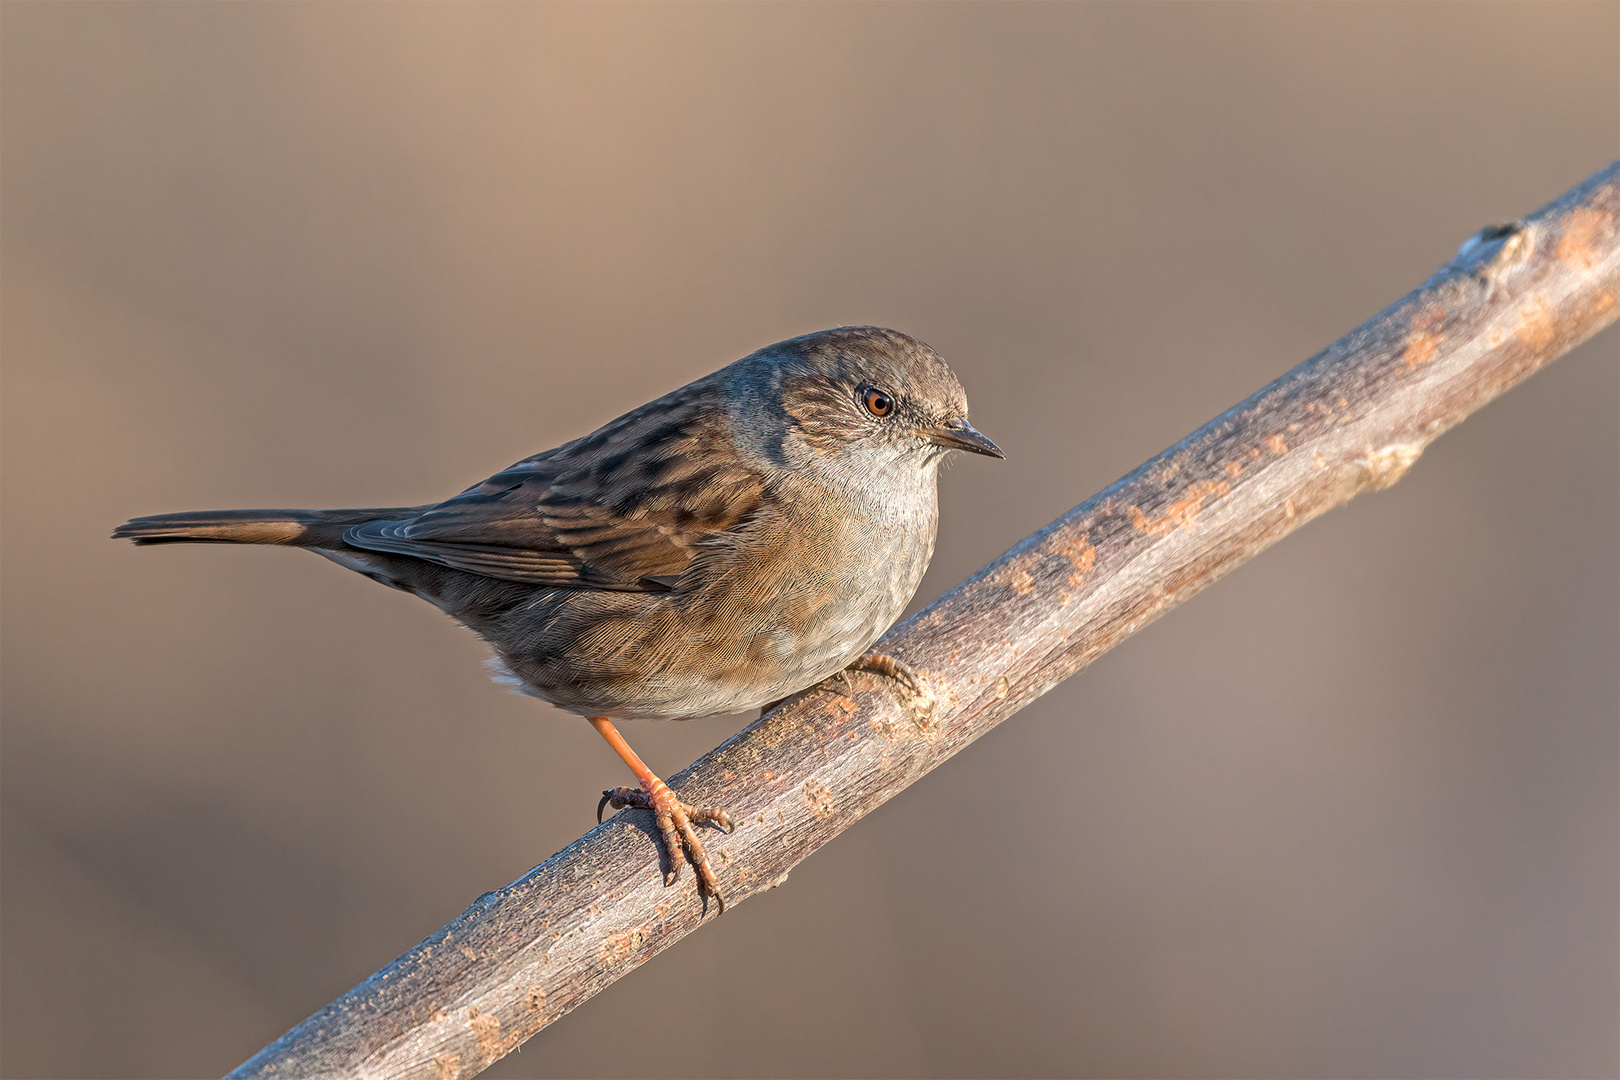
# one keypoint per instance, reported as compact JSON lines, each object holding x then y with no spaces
{"x":1017,"y":576}
{"x":1182,"y":514}
{"x":1423,"y":343}
{"x":1233,"y":468}
{"x":487,"y":1030}
{"x":819,"y":798}
{"x":1073,"y":531}
{"x":1275,"y":444}
{"x":621,"y":946}
{"x":840,"y":708}
{"x":1584,"y":231}
{"x":1536,"y":327}
{"x":1082,"y":559}
{"x":1254,"y":452}
{"x":535,"y":999}
{"x":447,"y":1066}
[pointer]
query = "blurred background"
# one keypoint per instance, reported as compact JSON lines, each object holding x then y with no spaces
{"x":1354,"y":811}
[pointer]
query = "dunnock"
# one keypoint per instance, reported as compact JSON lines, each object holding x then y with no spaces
{"x":720,"y":548}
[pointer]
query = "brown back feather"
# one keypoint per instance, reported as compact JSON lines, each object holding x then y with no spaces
{"x":620,"y":509}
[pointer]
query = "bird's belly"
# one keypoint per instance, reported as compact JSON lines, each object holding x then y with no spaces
{"x":732,"y":646}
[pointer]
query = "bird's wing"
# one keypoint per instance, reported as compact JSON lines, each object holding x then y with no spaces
{"x":625,"y":508}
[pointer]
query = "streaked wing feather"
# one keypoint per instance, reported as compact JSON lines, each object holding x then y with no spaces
{"x":625,"y":508}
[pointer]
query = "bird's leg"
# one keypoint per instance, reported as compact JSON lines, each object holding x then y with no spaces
{"x":922,"y":699}
{"x":675,"y":818}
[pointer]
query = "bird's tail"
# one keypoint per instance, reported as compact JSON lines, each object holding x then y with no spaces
{"x":298,"y":528}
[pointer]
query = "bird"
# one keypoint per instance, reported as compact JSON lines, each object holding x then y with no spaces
{"x":718,"y":549}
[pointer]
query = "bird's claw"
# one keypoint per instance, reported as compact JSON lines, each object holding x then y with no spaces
{"x":675,"y":823}
{"x":922,"y":700}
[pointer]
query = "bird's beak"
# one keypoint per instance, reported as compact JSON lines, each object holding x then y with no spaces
{"x":958,"y":434}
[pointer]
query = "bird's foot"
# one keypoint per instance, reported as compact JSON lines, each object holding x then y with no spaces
{"x":675,"y":821}
{"x":918,"y":697}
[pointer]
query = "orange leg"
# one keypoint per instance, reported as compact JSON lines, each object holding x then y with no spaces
{"x":675,"y":818}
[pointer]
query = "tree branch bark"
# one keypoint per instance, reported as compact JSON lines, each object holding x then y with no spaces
{"x":1353,"y":418}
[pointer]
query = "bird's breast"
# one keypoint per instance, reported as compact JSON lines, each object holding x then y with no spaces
{"x":815,"y":590}
{"x":793,"y":597}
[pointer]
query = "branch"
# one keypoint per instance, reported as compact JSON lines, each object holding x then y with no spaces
{"x":1351,"y":419}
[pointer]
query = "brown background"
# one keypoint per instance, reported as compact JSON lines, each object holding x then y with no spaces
{"x":1356,"y":811}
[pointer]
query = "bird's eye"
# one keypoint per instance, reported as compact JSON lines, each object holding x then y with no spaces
{"x":877,"y":402}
